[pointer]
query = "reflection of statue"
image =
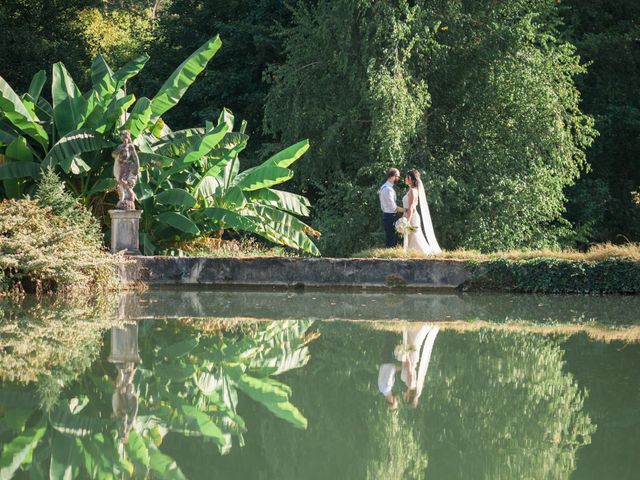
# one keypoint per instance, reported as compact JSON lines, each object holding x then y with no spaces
{"x":411,"y":358}
{"x":124,"y":400}
{"x":126,"y":169}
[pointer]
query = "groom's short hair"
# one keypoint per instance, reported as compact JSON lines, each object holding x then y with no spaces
{"x":392,"y":172}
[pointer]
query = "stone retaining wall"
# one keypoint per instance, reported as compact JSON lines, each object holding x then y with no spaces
{"x":295,"y":272}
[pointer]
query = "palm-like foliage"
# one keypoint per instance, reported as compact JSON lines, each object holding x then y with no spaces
{"x":191,"y":181}
{"x":189,"y":387}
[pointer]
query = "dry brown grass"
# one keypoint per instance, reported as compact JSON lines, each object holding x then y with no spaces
{"x":600,"y":333}
{"x":216,"y":247}
{"x":597,"y":252}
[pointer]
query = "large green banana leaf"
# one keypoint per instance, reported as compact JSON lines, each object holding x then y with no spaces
{"x":66,"y":457}
{"x":289,"y":202}
{"x":229,"y":219}
{"x":115,"y":111}
{"x":163,"y":466}
{"x":179,"y":222}
{"x":6,"y":136}
{"x":270,"y":393}
{"x":181,"y":79}
{"x":289,"y":155}
{"x":19,"y":450}
{"x":200,"y":145}
{"x":138,"y":453}
{"x":69,"y":106}
{"x":62,"y":86}
{"x":176,"y":197}
{"x":18,"y":164}
{"x":262,"y":176}
{"x":286,"y":229}
{"x":20,"y":170}
{"x":139,"y":117}
{"x":203,"y":423}
{"x":273,"y":171}
{"x":16,"y":113}
{"x":73,"y":145}
{"x":102,"y":77}
{"x":37,"y":82}
{"x":131,"y":69}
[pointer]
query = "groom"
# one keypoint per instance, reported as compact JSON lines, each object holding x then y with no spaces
{"x":387,"y":195}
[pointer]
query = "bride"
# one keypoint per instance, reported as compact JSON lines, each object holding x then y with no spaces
{"x":416,"y":211}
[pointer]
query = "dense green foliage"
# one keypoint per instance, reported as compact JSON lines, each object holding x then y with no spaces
{"x":235,"y":80}
{"x":495,"y":405}
{"x":606,"y":35}
{"x":481,"y":96}
{"x":191,"y":182}
{"x":52,"y":245}
{"x":554,"y":275}
{"x":37,"y":33}
{"x":188,"y":385}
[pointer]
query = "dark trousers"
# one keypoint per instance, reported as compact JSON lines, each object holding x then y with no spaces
{"x":388,"y":220}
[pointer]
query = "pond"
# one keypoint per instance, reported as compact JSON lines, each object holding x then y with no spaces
{"x":202,"y":384}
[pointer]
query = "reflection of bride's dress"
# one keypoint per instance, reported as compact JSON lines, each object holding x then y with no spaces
{"x":416,"y":240}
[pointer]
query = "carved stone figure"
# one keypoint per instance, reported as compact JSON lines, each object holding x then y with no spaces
{"x":126,"y":170}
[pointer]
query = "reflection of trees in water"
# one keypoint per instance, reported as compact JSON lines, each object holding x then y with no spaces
{"x":188,"y":385}
{"x":397,"y":453}
{"x":499,"y":404}
{"x":49,"y":344}
{"x":494,"y":405}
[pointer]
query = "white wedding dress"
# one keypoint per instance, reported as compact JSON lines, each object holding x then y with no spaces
{"x":423,"y":239}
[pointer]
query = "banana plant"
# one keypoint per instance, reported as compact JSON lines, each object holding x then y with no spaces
{"x":189,"y":387}
{"x":204,"y":192}
{"x":190,"y":183}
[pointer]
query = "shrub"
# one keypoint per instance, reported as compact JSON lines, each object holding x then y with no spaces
{"x":556,"y":275}
{"x":43,"y":252}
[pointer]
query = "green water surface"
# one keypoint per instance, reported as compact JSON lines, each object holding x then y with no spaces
{"x":280,"y":385}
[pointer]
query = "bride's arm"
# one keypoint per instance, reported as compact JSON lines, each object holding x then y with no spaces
{"x":413,"y":203}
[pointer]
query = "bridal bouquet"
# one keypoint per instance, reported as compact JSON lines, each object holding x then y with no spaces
{"x":403,"y":226}
{"x":402,"y":352}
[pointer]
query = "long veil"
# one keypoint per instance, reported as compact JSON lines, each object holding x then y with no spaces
{"x":427,"y":225}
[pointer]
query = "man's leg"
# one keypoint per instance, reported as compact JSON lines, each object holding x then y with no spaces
{"x":391,"y":239}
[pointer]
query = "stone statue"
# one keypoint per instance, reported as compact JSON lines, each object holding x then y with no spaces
{"x":126,"y":170}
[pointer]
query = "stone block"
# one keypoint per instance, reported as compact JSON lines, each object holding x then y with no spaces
{"x":125,"y":226}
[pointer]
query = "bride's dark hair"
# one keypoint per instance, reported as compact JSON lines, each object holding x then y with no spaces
{"x":414,"y":176}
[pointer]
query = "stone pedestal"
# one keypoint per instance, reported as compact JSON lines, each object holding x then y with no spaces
{"x":125,"y":225}
{"x":124,"y":344}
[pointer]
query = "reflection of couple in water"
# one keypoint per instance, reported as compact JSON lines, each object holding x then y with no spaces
{"x":411,"y":358}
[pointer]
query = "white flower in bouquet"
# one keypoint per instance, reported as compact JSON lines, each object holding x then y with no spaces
{"x":403,"y":226}
{"x":402,"y":351}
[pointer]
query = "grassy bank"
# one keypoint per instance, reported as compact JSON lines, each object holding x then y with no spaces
{"x":604,"y":268}
{"x":597,"y":332}
{"x":599,"y":252}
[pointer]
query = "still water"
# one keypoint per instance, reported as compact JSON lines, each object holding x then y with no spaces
{"x":272,"y":385}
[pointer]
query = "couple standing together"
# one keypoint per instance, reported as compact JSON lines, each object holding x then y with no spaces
{"x":420,"y":236}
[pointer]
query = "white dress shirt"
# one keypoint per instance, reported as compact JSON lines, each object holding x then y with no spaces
{"x":387,"y":196}
{"x":386,"y":378}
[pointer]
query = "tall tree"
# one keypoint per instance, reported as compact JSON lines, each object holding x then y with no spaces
{"x":606,"y":35}
{"x":480,"y":95}
{"x":234,"y":79}
{"x":37,"y":33}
